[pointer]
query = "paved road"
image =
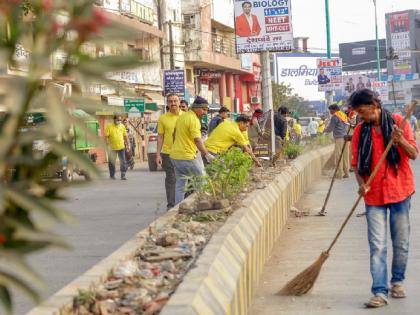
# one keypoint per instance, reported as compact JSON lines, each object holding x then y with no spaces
{"x":344,"y":282}
{"x":109,"y":213}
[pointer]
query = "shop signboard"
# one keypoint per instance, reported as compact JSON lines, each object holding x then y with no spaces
{"x":263,"y":25}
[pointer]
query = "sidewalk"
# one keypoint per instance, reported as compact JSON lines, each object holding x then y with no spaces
{"x":344,"y":283}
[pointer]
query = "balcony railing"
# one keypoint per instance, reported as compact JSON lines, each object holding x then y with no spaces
{"x":224,"y":45}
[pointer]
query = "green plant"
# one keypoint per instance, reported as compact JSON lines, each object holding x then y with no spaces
{"x":38,"y":30}
{"x":322,"y":140}
{"x":84,"y":298}
{"x":292,"y":150}
{"x":225,"y":175}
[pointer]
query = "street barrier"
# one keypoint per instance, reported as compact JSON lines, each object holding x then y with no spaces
{"x":226,"y":274}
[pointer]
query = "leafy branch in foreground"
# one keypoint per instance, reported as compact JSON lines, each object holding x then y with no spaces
{"x":38,"y":30}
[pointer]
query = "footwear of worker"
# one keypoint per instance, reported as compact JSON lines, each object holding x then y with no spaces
{"x":376,"y":301}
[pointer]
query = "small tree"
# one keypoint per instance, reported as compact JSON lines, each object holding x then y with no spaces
{"x":40,"y":29}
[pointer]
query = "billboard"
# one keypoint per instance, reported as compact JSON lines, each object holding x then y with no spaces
{"x":359,"y":56}
{"x":399,"y":30}
{"x":300,"y":72}
{"x":381,"y":87}
{"x":263,"y":26}
{"x":356,"y":82}
{"x":329,"y":74}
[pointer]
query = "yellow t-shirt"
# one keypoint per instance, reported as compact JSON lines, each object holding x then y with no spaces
{"x":166,"y":127}
{"x":246,"y":136}
{"x":115,"y":135}
{"x":298,"y":129}
{"x":321,"y":127}
{"x":224,"y":136}
{"x":187,"y":128}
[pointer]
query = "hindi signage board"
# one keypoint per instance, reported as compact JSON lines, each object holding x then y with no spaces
{"x":330,"y":74}
{"x":134,"y":105}
{"x":263,"y":25}
{"x":174,"y":82}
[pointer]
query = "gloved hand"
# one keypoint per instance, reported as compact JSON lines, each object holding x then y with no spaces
{"x":210,"y":157}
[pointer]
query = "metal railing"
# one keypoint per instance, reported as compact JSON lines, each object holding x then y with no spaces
{"x":224,"y":45}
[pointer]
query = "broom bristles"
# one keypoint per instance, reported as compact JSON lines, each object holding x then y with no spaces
{"x":304,"y":281}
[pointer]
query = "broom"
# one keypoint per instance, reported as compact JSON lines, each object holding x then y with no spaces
{"x":322,"y":212}
{"x":304,"y":281}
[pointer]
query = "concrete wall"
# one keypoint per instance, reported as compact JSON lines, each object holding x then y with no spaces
{"x":227,"y":272}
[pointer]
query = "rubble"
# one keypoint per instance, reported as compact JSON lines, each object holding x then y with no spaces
{"x":143,"y":284}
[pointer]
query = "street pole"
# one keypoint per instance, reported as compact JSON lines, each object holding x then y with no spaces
{"x":378,"y":62}
{"x":171,"y":47}
{"x":267,"y":101}
{"x":329,"y":94}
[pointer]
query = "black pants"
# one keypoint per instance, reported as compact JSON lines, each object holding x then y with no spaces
{"x":112,"y":157}
{"x":170,"y":180}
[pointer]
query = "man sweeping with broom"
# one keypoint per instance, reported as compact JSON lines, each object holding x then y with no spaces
{"x":391,"y":189}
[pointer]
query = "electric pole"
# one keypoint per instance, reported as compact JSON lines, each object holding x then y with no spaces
{"x":378,"y":62}
{"x":329,"y":94}
{"x":171,"y":47}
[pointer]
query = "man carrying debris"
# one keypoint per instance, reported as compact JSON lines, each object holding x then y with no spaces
{"x":166,"y":127}
{"x":229,"y":133}
{"x":187,"y":141}
{"x":391,"y":189}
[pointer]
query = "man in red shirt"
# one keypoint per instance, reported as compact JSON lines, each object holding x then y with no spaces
{"x":247,"y":24}
{"x":391,"y":189}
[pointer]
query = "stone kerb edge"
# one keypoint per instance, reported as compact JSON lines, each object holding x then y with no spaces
{"x":252,"y":227}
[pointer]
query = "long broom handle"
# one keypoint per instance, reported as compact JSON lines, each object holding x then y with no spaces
{"x":335,"y":171}
{"x":371,"y":177}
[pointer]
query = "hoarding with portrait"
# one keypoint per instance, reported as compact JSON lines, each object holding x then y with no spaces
{"x":263,"y":25}
{"x":329,"y":74}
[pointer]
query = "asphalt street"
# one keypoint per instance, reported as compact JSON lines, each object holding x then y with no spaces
{"x":109,"y":212}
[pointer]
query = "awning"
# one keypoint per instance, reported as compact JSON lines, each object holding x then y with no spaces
{"x":152,"y":97}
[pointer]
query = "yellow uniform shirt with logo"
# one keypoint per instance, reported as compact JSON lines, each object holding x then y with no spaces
{"x":115,"y":135}
{"x":224,"y":136}
{"x":166,"y":127}
{"x":187,"y":128}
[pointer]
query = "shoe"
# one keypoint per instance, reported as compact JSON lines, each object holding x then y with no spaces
{"x":346,"y":176}
{"x":111,"y":177}
{"x":123,"y":178}
{"x":397,"y":291}
{"x":361,"y":214}
{"x":376,"y":301}
{"x":322,"y":213}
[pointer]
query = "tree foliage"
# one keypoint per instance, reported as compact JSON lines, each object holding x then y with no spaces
{"x":283,"y":96}
{"x":42,"y":28}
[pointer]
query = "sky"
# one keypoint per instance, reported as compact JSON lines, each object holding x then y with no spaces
{"x":351,"y":20}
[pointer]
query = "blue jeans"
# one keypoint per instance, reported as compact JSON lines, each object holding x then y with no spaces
{"x":112,"y":158}
{"x":185,"y":168}
{"x":377,"y":235}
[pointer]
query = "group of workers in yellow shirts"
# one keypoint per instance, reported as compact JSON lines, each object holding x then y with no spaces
{"x":181,"y":150}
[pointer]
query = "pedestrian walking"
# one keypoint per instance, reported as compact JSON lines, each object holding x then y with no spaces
{"x":166,"y":127}
{"x":321,"y":126}
{"x":339,"y":126}
{"x":256,"y":130}
{"x":116,"y":136}
{"x":219,"y":118}
{"x":228,"y":134}
{"x":390,"y":191}
{"x":280,"y":122}
{"x":188,"y":140}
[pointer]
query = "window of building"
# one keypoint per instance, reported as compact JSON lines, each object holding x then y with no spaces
{"x":189,"y":20}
